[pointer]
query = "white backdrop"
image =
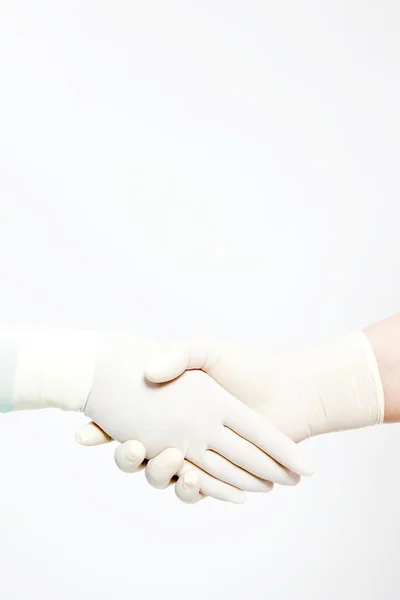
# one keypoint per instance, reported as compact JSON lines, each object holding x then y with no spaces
{"x":177,"y":168}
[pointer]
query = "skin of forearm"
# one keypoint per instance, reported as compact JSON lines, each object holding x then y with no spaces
{"x":384,"y":338}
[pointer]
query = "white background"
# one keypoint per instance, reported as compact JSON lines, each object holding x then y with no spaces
{"x":177,"y":168}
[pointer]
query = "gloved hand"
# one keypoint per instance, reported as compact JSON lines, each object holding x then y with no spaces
{"x":160,"y":471}
{"x":193,"y":414}
{"x":330,"y":388}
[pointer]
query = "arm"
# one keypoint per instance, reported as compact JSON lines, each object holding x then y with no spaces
{"x":351,"y":383}
{"x":46,"y":368}
{"x":101,"y":374}
{"x":384,"y":338}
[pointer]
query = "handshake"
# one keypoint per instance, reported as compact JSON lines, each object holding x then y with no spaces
{"x":218,"y":419}
{"x":221,"y":420}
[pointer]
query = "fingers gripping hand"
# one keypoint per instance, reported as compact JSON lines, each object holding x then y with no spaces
{"x":231,"y":443}
{"x":213,"y":429}
{"x":227,"y":364}
{"x":193,"y":483}
{"x":163,"y":470}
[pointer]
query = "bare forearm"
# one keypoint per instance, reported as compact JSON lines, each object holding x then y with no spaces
{"x":384,"y":338}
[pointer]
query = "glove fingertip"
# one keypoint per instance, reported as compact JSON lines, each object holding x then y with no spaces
{"x":87,"y":436}
{"x":156,"y":373}
{"x":129,"y":456}
{"x":81,"y":439}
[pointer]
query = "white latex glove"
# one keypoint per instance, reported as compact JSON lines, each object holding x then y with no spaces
{"x":330,"y":388}
{"x":193,"y":414}
{"x":160,"y":471}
